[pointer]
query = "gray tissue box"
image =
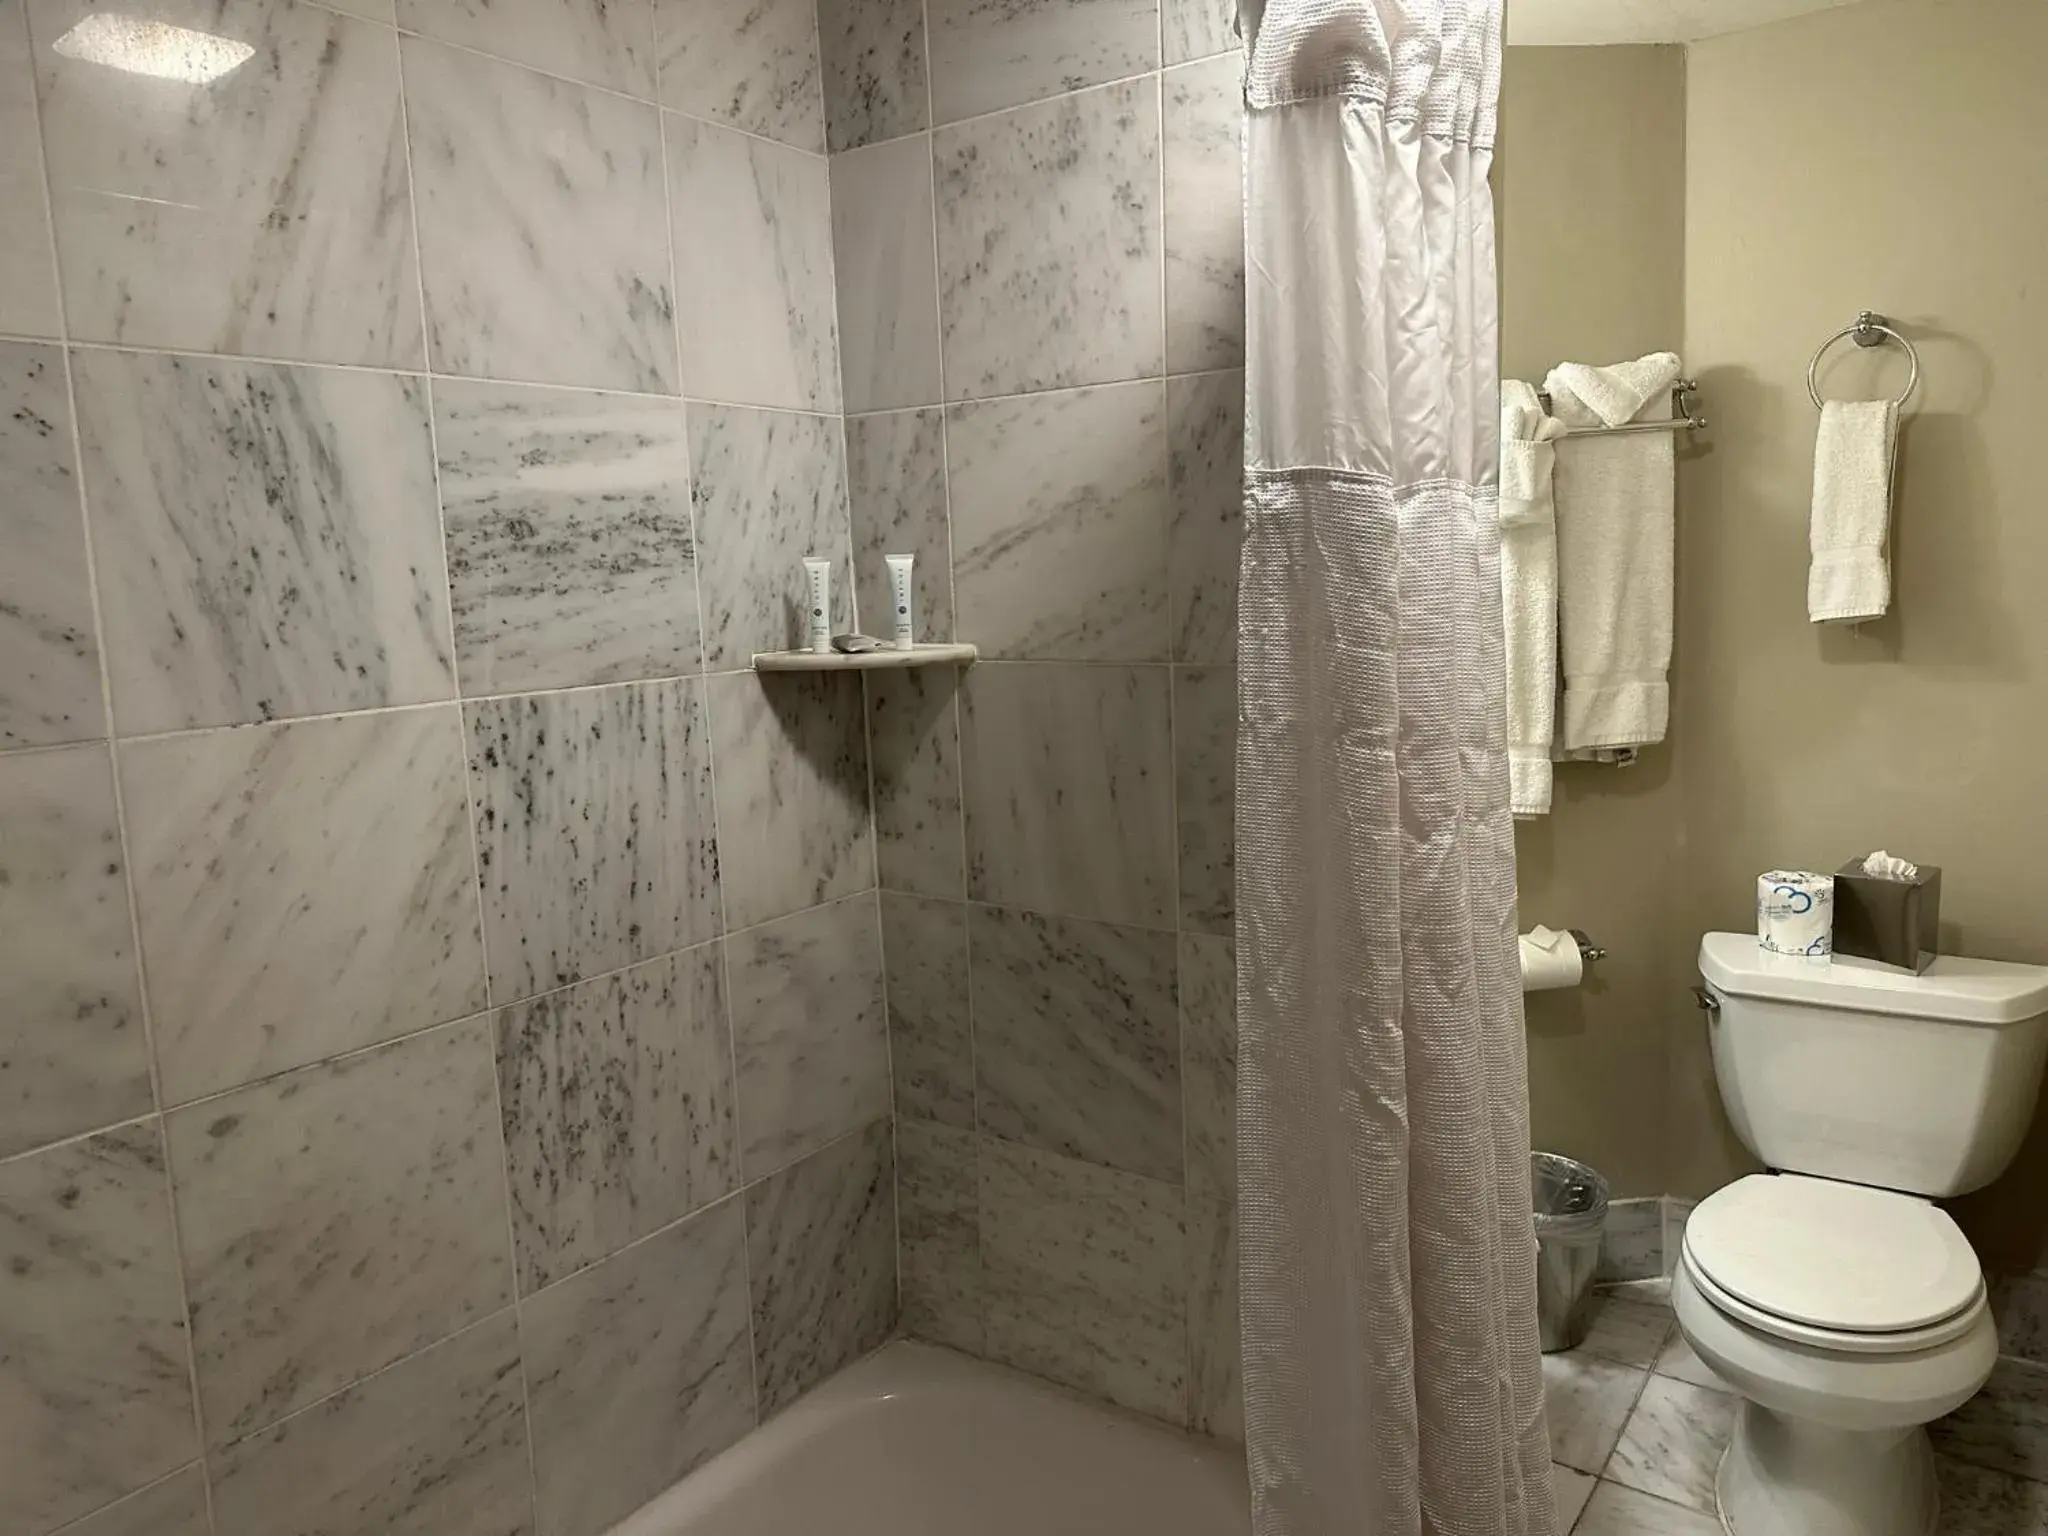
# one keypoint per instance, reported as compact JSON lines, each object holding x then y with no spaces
{"x":1894,"y":922}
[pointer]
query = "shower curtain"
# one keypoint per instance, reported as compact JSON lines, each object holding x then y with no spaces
{"x":1392,"y":1381}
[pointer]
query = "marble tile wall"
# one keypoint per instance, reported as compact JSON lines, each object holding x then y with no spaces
{"x":445,"y":1086}
{"x":1036,"y":238}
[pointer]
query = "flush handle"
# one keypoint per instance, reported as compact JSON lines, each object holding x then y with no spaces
{"x":1707,"y":1003}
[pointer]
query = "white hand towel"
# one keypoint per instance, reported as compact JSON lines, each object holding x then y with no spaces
{"x":1528,"y":592}
{"x":1615,"y":530}
{"x":1850,"y":579}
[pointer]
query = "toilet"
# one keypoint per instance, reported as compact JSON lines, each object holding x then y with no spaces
{"x":1846,"y":1308}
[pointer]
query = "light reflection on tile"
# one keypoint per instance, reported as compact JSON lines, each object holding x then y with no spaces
{"x":275,"y":222}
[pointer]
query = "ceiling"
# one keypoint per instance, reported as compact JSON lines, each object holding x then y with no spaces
{"x":1560,"y":22}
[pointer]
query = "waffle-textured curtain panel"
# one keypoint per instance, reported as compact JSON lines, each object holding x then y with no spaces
{"x":1392,"y":1381}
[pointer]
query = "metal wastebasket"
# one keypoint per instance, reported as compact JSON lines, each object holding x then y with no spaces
{"x":1571,"y":1210}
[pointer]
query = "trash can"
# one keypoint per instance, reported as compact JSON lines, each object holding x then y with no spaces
{"x":1571,"y":1210}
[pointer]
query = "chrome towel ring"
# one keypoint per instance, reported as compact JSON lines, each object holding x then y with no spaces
{"x":1870,"y":330}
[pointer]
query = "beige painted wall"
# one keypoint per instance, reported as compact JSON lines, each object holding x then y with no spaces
{"x":1890,"y":156}
{"x":1591,"y":213}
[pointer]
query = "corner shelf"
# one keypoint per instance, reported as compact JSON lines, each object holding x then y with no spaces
{"x":866,"y":661}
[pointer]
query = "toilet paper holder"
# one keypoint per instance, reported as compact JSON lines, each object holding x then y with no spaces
{"x":1588,"y":950}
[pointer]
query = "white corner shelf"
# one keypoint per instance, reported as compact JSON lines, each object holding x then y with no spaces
{"x":866,"y":661}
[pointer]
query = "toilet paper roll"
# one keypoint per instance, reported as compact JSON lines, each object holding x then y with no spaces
{"x":1795,"y":913}
{"x":1550,"y":960}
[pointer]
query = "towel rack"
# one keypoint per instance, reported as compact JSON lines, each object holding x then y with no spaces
{"x":1685,"y":416}
{"x":1869,"y":329}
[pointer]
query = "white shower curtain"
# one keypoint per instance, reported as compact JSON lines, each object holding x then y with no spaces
{"x":1392,"y":1381}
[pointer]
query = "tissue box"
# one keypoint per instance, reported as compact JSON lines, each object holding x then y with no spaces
{"x":1893,"y":922}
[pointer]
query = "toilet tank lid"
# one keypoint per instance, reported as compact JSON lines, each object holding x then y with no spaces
{"x":1952,"y":987}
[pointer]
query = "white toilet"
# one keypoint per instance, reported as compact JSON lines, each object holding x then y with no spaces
{"x":1831,"y":1293}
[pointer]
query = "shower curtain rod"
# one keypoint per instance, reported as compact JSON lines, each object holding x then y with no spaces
{"x":1685,"y":415}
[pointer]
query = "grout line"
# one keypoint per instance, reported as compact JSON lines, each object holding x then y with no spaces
{"x":275,"y":361}
{"x":112,"y":760}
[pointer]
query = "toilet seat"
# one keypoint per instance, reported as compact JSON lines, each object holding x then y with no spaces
{"x":1834,"y":1266}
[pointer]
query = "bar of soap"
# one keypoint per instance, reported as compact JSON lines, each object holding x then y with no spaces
{"x":854,"y":645}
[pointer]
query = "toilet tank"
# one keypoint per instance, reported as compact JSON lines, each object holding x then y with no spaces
{"x":1852,"y":1070}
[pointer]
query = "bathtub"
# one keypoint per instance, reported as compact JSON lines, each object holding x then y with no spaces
{"x":919,"y":1441}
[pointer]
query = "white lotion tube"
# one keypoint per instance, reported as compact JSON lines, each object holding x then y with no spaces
{"x":900,"y":600}
{"x":818,"y":590}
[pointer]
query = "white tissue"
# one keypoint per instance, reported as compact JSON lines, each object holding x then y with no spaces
{"x":1884,"y":866}
{"x":1795,"y":913}
{"x":1550,"y":960}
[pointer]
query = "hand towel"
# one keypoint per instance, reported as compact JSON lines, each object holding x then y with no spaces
{"x":1614,"y":498}
{"x":1850,"y":579}
{"x":1528,"y":592}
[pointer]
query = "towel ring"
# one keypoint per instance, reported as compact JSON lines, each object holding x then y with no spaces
{"x":1870,"y":330}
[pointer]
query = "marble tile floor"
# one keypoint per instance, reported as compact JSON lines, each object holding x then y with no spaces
{"x":1638,"y":1424}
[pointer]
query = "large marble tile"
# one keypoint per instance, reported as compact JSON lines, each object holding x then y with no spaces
{"x":618,"y":1110}
{"x":887,"y":275}
{"x":1082,"y":1275}
{"x":821,"y":1247}
{"x":268,"y":540}
{"x":28,"y":277}
{"x":1587,"y":1400}
{"x":792,"y":792}
{"x":1672,"y":1443}
{"x":543,"y":225}
{"x":338,"y":1219}
{"x":1076,"y":1042}
{"x":914,"y":730}
{"x":874,"y":66}
{"x":1205,"y":795}
{"x":750,"y":63}
{"x":753,"y":251}
{"x":271,"y":221}
{"x":600,"y":42}
{"x":435,"y":1446}
{"x":938,"y":1223}
{"x":1215,"y":1376}
{"x":637,"y":1370}
{"x":49,"y":656}
{"x":1068,"y":778}
{"x":1194,"y":29}
{"x":570,"y":555}
{"x":770,"y":490}
{"x":896,"y":495}
{"x":931,"y":1036}
{"x":1205,"y":215}
{"x":1060,"y":523}
{"x":1208,"y":1044}
{"x":810,"y":1032}
{"x":1977,"y":1502}
{"x":2005,"y":1426}
{"x":95,"y":1390}
{"x":991,"y":54}
{"x":72,"y":1051}
{"x":596,"y":836}
{"x":174,"y":1507}
{"x":1633,"y":1332}
{"x":303,"y":890}
{"x":1049,"y":254}
{"x":1632,"y":1240}
{"x":1569,"y":1491}
{"x":1205,"y":477}
{"x":1615,"y":1510}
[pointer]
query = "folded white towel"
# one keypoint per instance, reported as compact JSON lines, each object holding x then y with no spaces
{"x":1614,"y":500}
{"x":1850,"y":579}
{"x":1528,"y":592}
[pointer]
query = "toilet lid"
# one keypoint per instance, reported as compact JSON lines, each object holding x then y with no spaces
{"x":1836,"y":1256}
